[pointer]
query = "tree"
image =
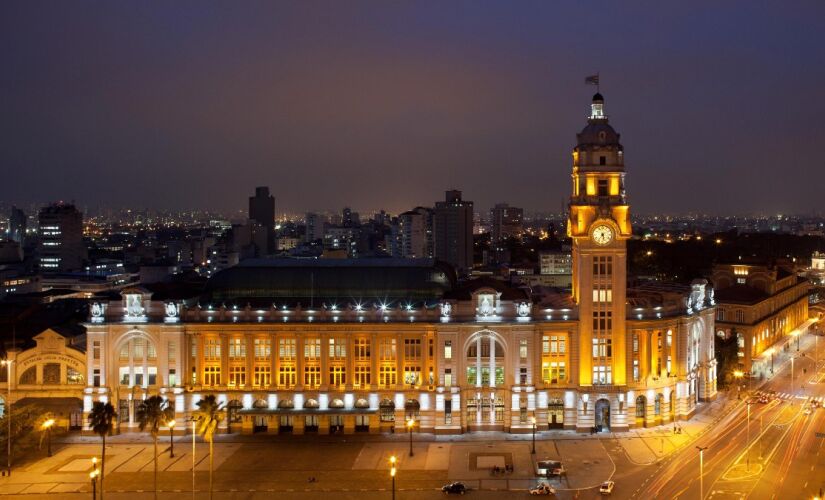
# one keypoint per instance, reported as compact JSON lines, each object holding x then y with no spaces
{"x":101,"y":419}
{"x":153,"y":412}
{"x":207,"y":417}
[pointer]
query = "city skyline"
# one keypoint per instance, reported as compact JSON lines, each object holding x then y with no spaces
{"x":121,"y":105}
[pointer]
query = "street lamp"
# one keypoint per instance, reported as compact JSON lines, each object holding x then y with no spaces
{"x":47,"y":427}
{"x":701,"y":471}
{"x":533,"y":421}
{"x":738,"y":374}
{"x":7,"y":363}
{"x":392,"y":474}
{"x":171,"y":425}
{"x":410,"y":424}
{"x":93,"y":476}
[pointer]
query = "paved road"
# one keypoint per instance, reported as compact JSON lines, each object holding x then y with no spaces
{"x":779,"y":457}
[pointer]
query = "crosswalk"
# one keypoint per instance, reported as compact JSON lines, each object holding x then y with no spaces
{"x":786,"y":397}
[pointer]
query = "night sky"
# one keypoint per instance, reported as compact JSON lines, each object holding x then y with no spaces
{"x":387,"y":104}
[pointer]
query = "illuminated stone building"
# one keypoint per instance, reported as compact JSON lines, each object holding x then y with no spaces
{"x":363,"y":345}
{"x":759,"y":305}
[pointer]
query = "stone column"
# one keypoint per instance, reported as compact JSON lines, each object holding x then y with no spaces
{"x":274,"y":360}
{"x":375,"y":353}
{"x":325,"y":381}
{"x":299,"y":361}
{"x":478,"y":362}
{"x":224,"y":339}
{"x":350,"y":362}
{"x":492,"y":361}
{"x":399,"y":362}
{"x":250,"y":360}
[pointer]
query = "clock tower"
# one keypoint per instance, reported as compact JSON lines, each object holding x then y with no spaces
{"x":599,"y":226}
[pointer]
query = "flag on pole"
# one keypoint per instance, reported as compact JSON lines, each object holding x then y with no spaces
{"x":592,"y":80}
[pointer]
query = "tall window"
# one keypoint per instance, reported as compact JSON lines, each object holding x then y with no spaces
{"x":635,"y":370}
{"x":212,"y":375}
{"x":522,"y":349}
{"x":448,"y":350}
{"x":237,"y":348}
{"x":212,"y":349}
{"x":312,"y":377}
{"x":286,"y":348}
{"x":337,"y":375}
{"x":286,"y":376}
{"x":387,"y":376}
{"x":337,"y":348}
{"x":602,"y":374}
{"x":362,"y":376}
{"x":237,"y":376}
{"x":362,"y":349}
{"x":96,"y":349}
{"x":170,"y":350}
{"x":312,"y":349}
{"x":263,"y":376}
{"x":262,"y":349}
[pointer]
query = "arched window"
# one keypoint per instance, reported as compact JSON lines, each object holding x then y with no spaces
{"x":641,"y":407}
{"x":657,"y":405}
{"x":29,"y":376}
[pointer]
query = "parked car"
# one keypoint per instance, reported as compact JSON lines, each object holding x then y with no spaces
{"x":543,"y":489}
{"x":454,"y":488}
{"x":607,"y":488}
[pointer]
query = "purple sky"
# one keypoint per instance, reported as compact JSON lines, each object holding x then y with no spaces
{"x":387,"y":104}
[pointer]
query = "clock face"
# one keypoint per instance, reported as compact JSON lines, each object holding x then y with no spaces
{"x":602,"y":235}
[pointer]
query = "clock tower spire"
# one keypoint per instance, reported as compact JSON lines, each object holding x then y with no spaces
{"x":599,"y":226}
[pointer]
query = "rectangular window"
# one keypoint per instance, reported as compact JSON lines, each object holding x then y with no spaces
{"x":212,"y":349}
{"x":602,"y":321}
{"x":96,"y":349}
{"x":448,"y":349}
{"x":387,"y":349}
{"x":237,"y":376}
{"x":635,"y":342}
{"x":635,"y":370}
{"x":387,"y":376}
{"x":263,"y":376}
{"x":170,"y":350}
{"x":602,"y":374}
{"x":286,"y":349}
{"x":545,"y":344}
{"x":312,"y":349}
{"x":448,"y":377}
{"x":286,"y":376}
{"x":96,"y":377}
{"x":412,"y":349}
{"x":212,"y":375}
{"x":412,"y":375}
{"x":337,"y":348}
{"x":522,"y":349}
{"x":362,"y":349}
{"x":362,"y":376}
{"x":312,"y":377}
{"x":193,"y":348}
{"x":263,"y":348}
{"x":522,"y":375}
{"x":337,"y":375}
{"x":237,"y":348}
{"x":602,"y":348}
{"x":602,"y":295}
{"x":173,"y":379}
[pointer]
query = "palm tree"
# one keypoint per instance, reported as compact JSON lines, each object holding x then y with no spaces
{"x":208,"y":415}
{"x":100,"y":420}
{"x":153,"y":412}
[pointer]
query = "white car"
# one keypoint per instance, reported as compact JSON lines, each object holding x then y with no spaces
{"x":607,"y":488}
{"x":543,"y":489}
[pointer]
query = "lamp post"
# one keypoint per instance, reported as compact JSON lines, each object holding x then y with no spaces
{"x":738,"y":374}
{"x":792,"y":391}
{"x":410,"y":424}
{"x":701,"y":471}
{"x":47,"y":427}
{"x":796,"y":334}
{"x":171,"y":425}
{"x":7,"y":364}
{"x":194,"y":433}
{"x":93,"y":476}
{"x":533,"y":421}
{"x":392,"y":474}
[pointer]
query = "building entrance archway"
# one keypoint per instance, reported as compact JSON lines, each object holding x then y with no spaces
{"x":603,"y":414}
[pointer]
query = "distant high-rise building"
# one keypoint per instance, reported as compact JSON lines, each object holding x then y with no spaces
{"x":506,"y":221}
{"x":453,"y":231}
{"x":60,"y":245}
{"x":262,"y":211}
{"x":314,"y":227}
{"x":415,"y":228}
{"x":17,"y":225}
{"x":350,"y":218}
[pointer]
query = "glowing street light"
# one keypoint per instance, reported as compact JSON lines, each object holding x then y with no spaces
{"x":93,"y":476}
{"x":47,"y":427}
{"x":738,"y":374}
{"x":392,"y":474}
{"x":410,"y":424}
